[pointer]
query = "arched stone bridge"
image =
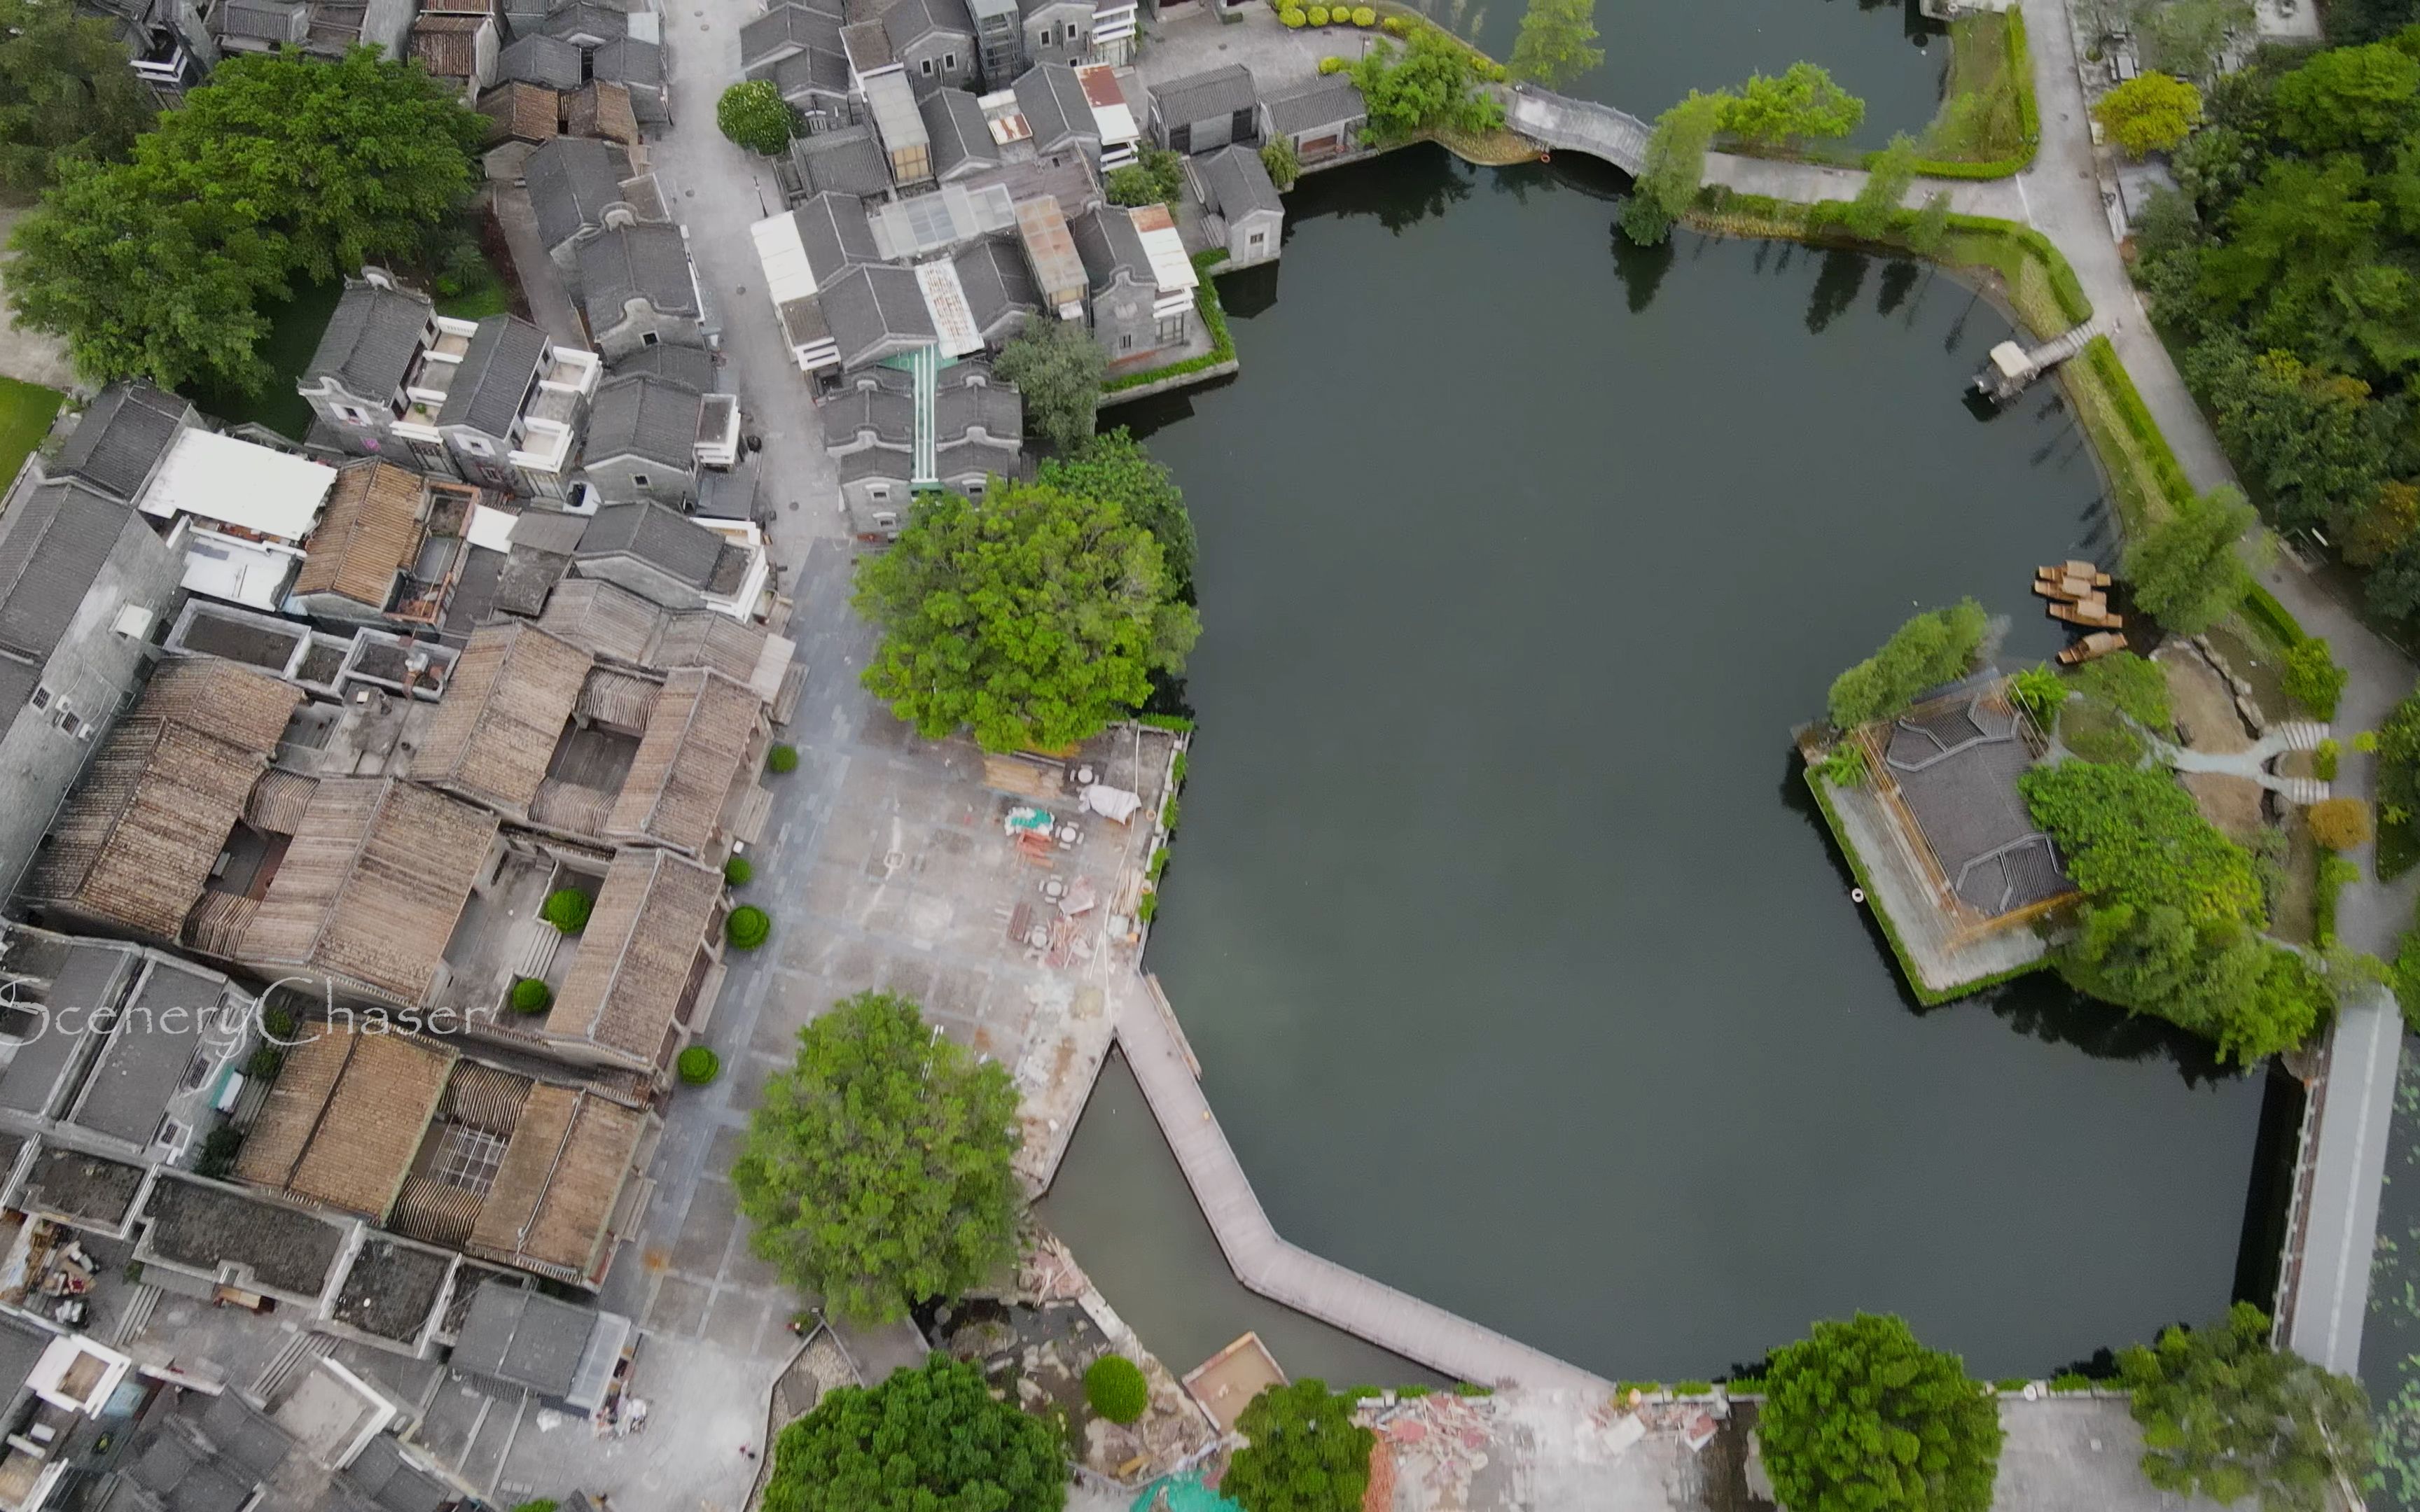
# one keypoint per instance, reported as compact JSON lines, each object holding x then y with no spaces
{"x":1569,"y":125}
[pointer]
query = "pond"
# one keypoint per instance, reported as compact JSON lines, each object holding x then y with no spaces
{"x":1524,"y":973}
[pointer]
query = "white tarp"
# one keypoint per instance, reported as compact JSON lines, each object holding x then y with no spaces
{"x":231,"y":482}
{"x":1111,"y":803}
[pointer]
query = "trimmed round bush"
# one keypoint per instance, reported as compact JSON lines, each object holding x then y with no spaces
{"x":567,"y":909}
{"x":1364,"y":16}
{"x":697,"y":1065}
{"x":1116,"y":1390}
{"x":1333,"y":65}
{"x":781,"y":759}
{"x":1294,"y":16}
{"x":531,"y":995}
{"x":1395,"y":26}
{"x":1318,"y":15}
{"x":738,"y":872}
{"x":748,"y":927}
{"x":2339,"y":824}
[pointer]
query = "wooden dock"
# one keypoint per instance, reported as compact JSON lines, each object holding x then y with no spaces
{"x":1286,"y":1274}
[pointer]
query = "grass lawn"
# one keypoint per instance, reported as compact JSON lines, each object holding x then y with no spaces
{"x":1981,"y":117}
{"x":26,"y":410}
{"x":485,"y":298}
{"x":295,"y":327}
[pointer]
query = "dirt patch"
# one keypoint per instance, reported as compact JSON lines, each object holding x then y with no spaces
{"x":2231,"y":803}
{"x":2203,"y":703}
{"x":2293,"y":913}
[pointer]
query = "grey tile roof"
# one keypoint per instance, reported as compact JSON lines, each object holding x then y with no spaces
{"x":995,"y":406}
{"x":636,"y":262}
{"x":586,"y":19}
{"x":691,"y":367}
{"x":802,"y":76}
{"x":846,"y":162}
{"x":656,"y":535}
{"x":959,"y":134}
{"x":264,"y":20}
{"x":1333,"y":100}
{"x":877,"y":462}
{"x":23,"y":1343}
{"x":121,"y":437}
{"x":998,"y":283}
{"x":571,"y":179}
{"x":144,"y":1062}
{"x":834,"y":231}
{"x":868,"y":46}
{"x":553,"y":531}
{"x":505,"y":354}
{"x":391,"y":1482}
{"x":975,"y":460}
{"x":1206,"y":96}
{"x":787,"y":29}
{"x":88,"y":976}
{"x":1238,"y":182}
{"x":643,"y":417}
{"x":908,"y":21}
{"x":515,"y":1334}
{"x":874,"y":306}
{"x":638,"y":64}
{"x":370,"y":340}
{"x":1052,"y":99}
{"x":541,"y":60}
{"x":890,"y":415}
{"x":1107,"y":240}
{"x":203,"y":1226}
{"x":52,"y":545}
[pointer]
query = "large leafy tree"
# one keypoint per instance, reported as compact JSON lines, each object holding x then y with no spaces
{"x":2226,"y":1416}
{"x":1429,"y":83}
{"x":2187,"y":570}
{"x":1860,"y":1417}
{"x":2150,"y":113}
{"x":280,"y":165}
{"x":1929,"y":649}
{"x":1558,"y":42}
{"x":1035,"y":618}
{"x":876,"y":1171}
{"x":1800,"y":102}
{"x":932,"y":1440}
{"x":1057,"y":367}
{"x":1305,"y":1453}
{"x":2349,"y":97}
{"x":66,"y":92}
{"x":1674,"y":163}
{"x":1113,"y":467}
{"x":753,"y":115}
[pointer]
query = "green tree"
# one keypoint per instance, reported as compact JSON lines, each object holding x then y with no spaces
{"x":753,"y":114}
{"x":1929,"y":649}
{"x":2038,"y":690}
{"x":1931,"y":227}
{"x":1035,"y":618}
{"x":2150,"y":113}
{"x":1674,"y":163}
{"x":2134,"y":686}
{"x":1430,"y":83}
{"x":1156,"y":178}
{"x":932,"y":1440}
{"x":2312,"y":677}
{"x":2355,"y":98}
{"x":2186,"y":570}
{"x":1558,"y":42}
{"x":1057,"y":367}
{"x":1860,"y":1417}
{"x":1801,"y":102}
{"x":876,"y":1169}
{"x":1305,"y":1453}
{"x":2374,"y":527}
{"x":1888,"y":178}
{"x":1284,"y":164}
{"x":65,"y":91}
{"x":1114,"y":468}
{"x":2226,"y":1416}
{"x":1115,"y":1388}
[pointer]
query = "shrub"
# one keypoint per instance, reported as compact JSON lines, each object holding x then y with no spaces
{"x":531,"y":995}
{"x":1846,"y":766}
{"x":1472,"y":1388}
{"x":2312,"y":677}
{"x":1318,"y":15}
{"x":2325,"y":757}
{"x":2337,"y":873}
{"x":2070,"y":1380}
{"x":738,"y":872}
{"x":264,"y":1063}
{"x":1929,"y":649}
{"x":1115,"y":1388}
{"x":1333,"y":65}
{"x":220,"y":1147}
{"x":1147,"y":908}
{"x":698,"y":1066}
{"x":1693,"y":1388}
{"x":2011,"y":1383}
{"x":1293,"y":16}
{"x":2340,"y":823}
{"x":1395,"y":26}
{"x":543,"y":1503}
{"x":567,"y":909}
{"x":1364,"y":16}
{"x":748,"y":927}
{"x":781,"y":759}
{"x":1284,"y":166}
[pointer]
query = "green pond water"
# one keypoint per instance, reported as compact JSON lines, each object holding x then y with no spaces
{"x":1523,"y":971}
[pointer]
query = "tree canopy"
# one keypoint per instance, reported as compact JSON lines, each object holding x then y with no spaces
{"x":876,"y":1169}
{"x":2187,"y":570}
{"x":2150,"y":113}
{"x":1305,"y":1453}
{"x":1801,"y":102}
{"x":1057,"y":367}
{"x":2226,"y":1416}
{"x":1888,"y":178}
{"x":67,"y":91}
{"x":753,"y":114}
{"x":1114,"y":468}
{"x":1558,"y":42}
{"x":1674,"y":163}
{"x":1860,"y":1417}
{"x":280,"y":165}
{"x":1035,"y":618}
{"x":931,"y":1440}
{"x":1429,"y":82}
{"x":2173,"y":913}
{"x":1928,"y":649}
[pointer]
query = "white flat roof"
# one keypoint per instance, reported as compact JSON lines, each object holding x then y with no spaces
{"x":492,"y":527}
{"x":1170,"y":267}
{"x":788,"y":275}
{"x":945,"y":298}
{"x":216,"y":477}
{"x":241,"y":572}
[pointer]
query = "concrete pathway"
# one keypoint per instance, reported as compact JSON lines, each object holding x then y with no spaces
{"x":2252,"y":763}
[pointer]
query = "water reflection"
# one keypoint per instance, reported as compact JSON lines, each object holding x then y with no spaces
{"x":1837,"y":285}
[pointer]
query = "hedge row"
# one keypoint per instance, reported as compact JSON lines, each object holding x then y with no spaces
{"x":2261,"y":606}
{"x":2028,"y":117}
{"x":1213,"y":320}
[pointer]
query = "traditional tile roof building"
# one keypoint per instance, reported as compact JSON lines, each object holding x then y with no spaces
{"x":1322,"y":118}
{"x":649,"y":965}
{"x":119,"y":442}
{"x":640,"y":290}
{"x":1202,"y":112}
{"x":513,"y":692}
{"x":1234,"y":186}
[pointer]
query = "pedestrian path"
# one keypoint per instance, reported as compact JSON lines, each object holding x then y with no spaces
{"x":2252,"y":762}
